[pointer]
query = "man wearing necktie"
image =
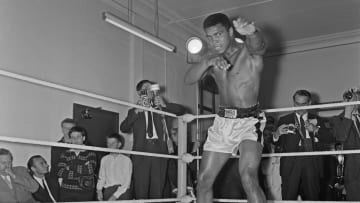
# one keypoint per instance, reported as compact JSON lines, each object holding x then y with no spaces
{"x":346,"y":128}
{"x":16,"y":184}
{"x":301,"y":131}
{"x":48,"y":185}
{"x":150,"y":134}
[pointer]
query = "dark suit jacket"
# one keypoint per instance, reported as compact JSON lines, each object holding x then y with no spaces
{"x":290,"y":142}
{"x":41,"y":194}
{"x":23,"y":186}
{"x":345,"y":132}
{"x":136,"y":123}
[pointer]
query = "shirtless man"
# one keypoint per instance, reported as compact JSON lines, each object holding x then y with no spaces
{"x":236,"y":68}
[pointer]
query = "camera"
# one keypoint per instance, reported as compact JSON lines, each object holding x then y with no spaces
{"x":147,"y":96}
{"x":349,"y":94}
{"x":292,"y":128}
{"x":145,"y":101}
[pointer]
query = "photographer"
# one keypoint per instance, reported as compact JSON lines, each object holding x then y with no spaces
{"x":346,"y":128}
{"x":301,"y":131}
{"x":150,"y":135}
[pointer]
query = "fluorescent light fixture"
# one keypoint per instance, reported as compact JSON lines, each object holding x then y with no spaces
{"x":114,"y":20}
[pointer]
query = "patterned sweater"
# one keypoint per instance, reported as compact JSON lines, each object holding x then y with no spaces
{"x":77,"y":171}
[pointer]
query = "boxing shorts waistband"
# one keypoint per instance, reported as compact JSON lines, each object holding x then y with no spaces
{"x":234,"y":112}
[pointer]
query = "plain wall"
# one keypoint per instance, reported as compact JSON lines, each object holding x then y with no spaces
{"x":326,"y":72}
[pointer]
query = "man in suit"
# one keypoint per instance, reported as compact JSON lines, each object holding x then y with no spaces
{"x":346,"y":128}
{"x":48,"y":186}
{"x":150,"y":135}
{"x":16,"y":184}
{"x":301,"y":131}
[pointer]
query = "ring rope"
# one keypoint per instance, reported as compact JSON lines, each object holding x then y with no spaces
{"x":116,"y":101}
{"x":230,"y":200}
{"x":286,"y":154}
{"x":269,"y":201}
{"x":318,"y":106}
{"x":280,"y":201}
{"x":216,"y":200}
{"x":355,"y":151}
{"x":65,"y":145}
{"x":57,"y":144}
{"x":77,"y":91}
{"x":141,"y":200}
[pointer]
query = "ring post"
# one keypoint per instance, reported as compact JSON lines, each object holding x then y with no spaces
{"x":182,"y":149}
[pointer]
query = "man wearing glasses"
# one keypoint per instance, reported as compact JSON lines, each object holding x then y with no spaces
{"x":301,"y":131}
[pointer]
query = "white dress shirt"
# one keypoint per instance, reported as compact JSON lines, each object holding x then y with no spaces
{"x":115,"y":169}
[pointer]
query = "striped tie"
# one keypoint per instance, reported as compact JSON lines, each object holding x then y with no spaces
{"x":357,"y":123}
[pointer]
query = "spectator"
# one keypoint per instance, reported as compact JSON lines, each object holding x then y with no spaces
{"x":150,"y":135}
{"x":49,"y":187}
{"x":301,"y":131}
{"x":270,"y":166}
{"x":346,"y":130}
{"x":115,"y":172}
{"x":77,"y":170}
{"x":16,"y":184}
{"x":172,"y":167}
{"x":56,"y":152}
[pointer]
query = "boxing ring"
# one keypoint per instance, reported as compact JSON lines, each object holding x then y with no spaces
{"x":182,"y":156}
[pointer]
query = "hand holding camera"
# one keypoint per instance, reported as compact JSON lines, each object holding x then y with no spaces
{"x":311,"y":125}
{"x":353,"y":94}
{"x":150,"y":98}
{"x":282,"y":129}
{"x":159,"y":102}
{"x":140,"y":103}
{"x":291,"y":128}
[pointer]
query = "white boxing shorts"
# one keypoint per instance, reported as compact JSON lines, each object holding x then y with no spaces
{"x":226,"y":134}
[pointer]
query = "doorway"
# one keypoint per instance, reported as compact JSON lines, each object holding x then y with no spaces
{"x":98,"y":123}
